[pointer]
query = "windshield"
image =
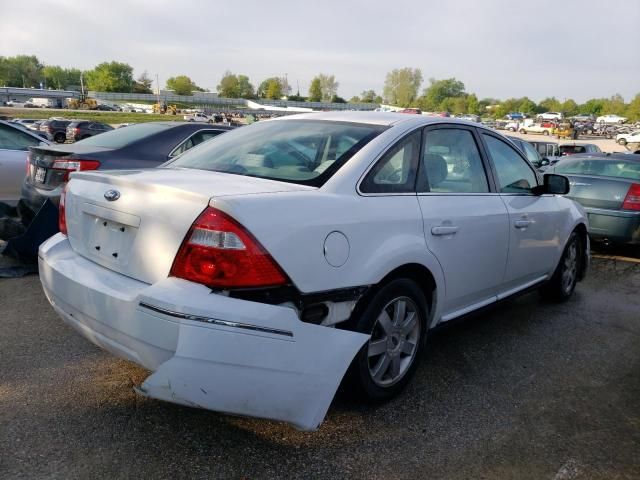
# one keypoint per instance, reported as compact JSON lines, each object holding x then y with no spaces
{"x":307,"y":152}
{"x":604,"y":168}
{"x":121,"y":137}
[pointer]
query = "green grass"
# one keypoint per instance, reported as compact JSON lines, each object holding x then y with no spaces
{"x":91,"y":115}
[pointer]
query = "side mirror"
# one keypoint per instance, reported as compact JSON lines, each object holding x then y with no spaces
{"x":554,"y":185}
{"x":545,"y":162}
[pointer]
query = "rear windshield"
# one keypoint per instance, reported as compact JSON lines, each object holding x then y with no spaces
{"x":604,"y":168}
{"x":573,"y":149}
{"x":121,"y":137}
{"x":306,"y":152}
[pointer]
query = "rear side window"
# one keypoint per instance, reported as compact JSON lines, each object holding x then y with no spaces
{"x":597,"y":167}
{"x":395,"y":172}
{"x":452,"y":163}
{"x":514,"y":173}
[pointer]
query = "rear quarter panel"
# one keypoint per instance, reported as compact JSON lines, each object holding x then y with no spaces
{"x":383,"y":234}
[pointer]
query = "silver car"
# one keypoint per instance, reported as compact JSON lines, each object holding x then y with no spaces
{"x":14,"y":148}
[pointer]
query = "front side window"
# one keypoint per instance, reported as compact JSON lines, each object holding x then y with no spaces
{"x":306,"y":152}
{"x":514,"y":174}
{"x":14,"y":139}
{"x":451,"y":162}
{"x":395,"y":172}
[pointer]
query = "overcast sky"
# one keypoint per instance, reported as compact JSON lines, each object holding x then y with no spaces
{"x":499,"y":48}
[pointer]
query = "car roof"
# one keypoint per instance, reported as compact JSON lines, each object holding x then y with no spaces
{"x":19,"y":127}
{"x":375,"y":118}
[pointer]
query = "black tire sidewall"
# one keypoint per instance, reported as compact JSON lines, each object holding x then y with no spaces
{"x":364,"y":323}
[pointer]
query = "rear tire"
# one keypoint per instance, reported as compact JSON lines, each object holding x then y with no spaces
{"x":545,"y":133}
{"x":59,"y":138}
{"x":522,"y":130}
{"x":622,"y":141}
{"x":396,"y":319}
{"x":563,"y":282}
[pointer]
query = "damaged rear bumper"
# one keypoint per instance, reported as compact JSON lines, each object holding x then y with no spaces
{"x":206,"y":350}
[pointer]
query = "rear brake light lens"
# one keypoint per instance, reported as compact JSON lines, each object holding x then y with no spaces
{"x":62,"y":217}
{"x":221,"y":253}
{"x":69,"y":166}
{"x":632,"y":200}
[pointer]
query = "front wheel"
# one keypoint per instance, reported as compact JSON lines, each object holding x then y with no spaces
{"x":622,"y":141}
{"x":396,"y":319}
{"x":563,"y":282}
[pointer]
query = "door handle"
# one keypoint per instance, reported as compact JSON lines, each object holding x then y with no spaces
{"x":444,"y":230}
{"x":522,"y":223}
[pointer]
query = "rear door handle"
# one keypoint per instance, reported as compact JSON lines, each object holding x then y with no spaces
{"x":444,"y":230}
{"x":522,"y":223}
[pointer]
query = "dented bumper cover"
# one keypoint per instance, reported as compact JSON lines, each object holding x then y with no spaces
{"x":204,"y":349}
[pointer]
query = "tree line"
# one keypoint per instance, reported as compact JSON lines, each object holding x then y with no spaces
{"x":403,"y":87}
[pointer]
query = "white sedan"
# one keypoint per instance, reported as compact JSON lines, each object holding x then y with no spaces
{"x":624,"y":138}
{"x":251,"y":273}
{"x":611,"y":119}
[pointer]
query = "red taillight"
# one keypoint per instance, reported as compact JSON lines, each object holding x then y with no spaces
{"x":74,"y":165}
{"x":62,"y":218}
{"x":76,"y":131}
{"x":632,"y":200}
{"x":221,"y":253}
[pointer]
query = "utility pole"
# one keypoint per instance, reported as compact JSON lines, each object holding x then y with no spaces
{"x":158,"y":90}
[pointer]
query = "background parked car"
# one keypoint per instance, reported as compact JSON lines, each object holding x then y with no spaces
{"x":584,"y":117}
{"x":608,"y":187}
{"x":14,"y":149}
{"x":198,"y":117}
{"x":542,"y":128}
{"x":515,"y":116}
{"x":577,"y":148}
{"x":611,"y":119}
{"x":144,"y":145}
{"x":624,"y":138}
{"x":56,"y":130}
{"x":79,"y":130}
{"x":550,"y":116}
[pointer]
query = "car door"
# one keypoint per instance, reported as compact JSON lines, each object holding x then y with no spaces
{"x":14,"y":148}
{"x":465,"y":222}
{"x":535,"y":221}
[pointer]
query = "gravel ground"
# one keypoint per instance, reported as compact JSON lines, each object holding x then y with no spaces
{"x":528,"y":390}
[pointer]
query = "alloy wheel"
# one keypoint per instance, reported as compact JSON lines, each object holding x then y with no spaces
{"x":394,"y":341}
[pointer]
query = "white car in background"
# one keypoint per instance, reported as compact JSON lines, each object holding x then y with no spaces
{"x":611,"y":119}
{"x":254,"y":270}
{"x":550,"y":116}
{"x":197,"y":117}
{"x":624,"y":138}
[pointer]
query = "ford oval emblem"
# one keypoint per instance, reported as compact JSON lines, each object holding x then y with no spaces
{"x":112,"y":195}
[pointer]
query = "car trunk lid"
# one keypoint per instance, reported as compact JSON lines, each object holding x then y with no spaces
{"x":39,"y":170}
{"x":133,"y":221}
{"x":598,"y":192}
